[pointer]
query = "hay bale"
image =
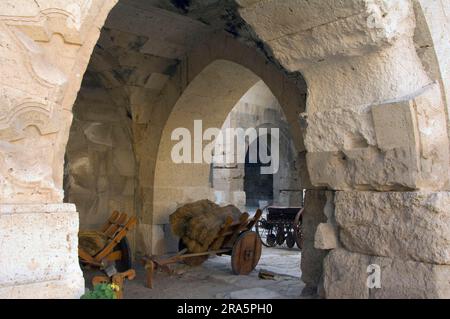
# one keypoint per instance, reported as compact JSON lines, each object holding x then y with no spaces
{"x":92,"y":242}
{"x":198,"y":223}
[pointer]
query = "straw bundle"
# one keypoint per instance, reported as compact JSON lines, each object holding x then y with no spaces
{"x":198,"y":223}
{"x":92,"y":242}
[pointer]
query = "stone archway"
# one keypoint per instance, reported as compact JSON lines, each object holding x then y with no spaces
{"x":383,"y":150}
{"x":375,"y":130}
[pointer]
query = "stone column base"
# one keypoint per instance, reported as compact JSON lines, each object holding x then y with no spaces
{"x":346,"y":276}
{"x":39,"y":252}
{"x":405,"y":235}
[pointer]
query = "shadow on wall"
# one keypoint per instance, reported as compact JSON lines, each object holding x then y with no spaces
{"x":100,"y":162}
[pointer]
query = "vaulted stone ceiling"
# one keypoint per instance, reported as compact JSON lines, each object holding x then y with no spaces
{"x":143,"y":41}
{"x":141,"y":45}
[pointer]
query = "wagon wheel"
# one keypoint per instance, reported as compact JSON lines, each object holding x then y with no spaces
{"x":264,"y":231}
{"x":298,"y":229}
{"x":125,"y":263}
{"x":280,"y":236}
{"x":271,"y":240}
{"x":246,"y":253}
{"x":290,"y":239}
{"x":191,"y":261}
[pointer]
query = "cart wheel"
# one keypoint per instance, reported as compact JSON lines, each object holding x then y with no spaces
{"x":192,"y":261}
{"x":280,"y":236}
{"x":246,"y":253}
{"x":126,"y":262}
{"x":264,"y":231}
{"x":181,"y":245}
{"x":290,"y":240}
{"x":271,"y":240}
{"x":298,"y":229}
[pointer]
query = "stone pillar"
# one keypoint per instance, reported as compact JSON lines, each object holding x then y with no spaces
{"x":375,"y":121}
{"x":312,"y":258}
{"x":39,"y":251}
{"x":44,"y":50}
{"x":405,"y":234}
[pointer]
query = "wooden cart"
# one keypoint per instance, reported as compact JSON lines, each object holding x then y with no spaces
{"x":238,"y":240}
{"x":281,"y":225}
{"x":116,"y":251}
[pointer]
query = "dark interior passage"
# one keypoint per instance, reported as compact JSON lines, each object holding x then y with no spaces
{"x":258,"y":187}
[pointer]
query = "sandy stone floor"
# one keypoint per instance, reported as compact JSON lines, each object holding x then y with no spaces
{"x":214,"y":280}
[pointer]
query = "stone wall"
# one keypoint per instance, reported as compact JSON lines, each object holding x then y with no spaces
{"x":39,"y":252}
{"x":312,"y":258}
{"x":100,"y":162}
{"x":45,"y":48}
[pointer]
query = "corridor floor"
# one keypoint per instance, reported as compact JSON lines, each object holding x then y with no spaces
{"x":214,"y":280}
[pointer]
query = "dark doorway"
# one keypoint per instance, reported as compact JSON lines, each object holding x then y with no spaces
{"x":258,"y":187}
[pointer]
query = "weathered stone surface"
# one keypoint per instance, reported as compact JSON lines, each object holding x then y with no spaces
{"x":395,"y":146}
{"x":39,"y":249}
{"x":346,"y":275}
{"x":412,"y":280}
{"x":434,"y":141}
{"x":100,"y":164}
{"x":99,"y":133}
{"x":39,"y":83}
{"x":326,"y":237}
{"x":382,"y":155}
{"x":64,"y":288}
{"x":432,"y":38}
{"x":312,"y":258}
{"x":406,"y":225}
{"x":339,"y":129}
{"x":312,"y":25}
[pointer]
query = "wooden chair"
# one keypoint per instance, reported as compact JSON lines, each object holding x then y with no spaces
{"x":116,"y":249}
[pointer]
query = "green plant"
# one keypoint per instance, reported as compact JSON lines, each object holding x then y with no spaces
{"x":101,"y":291}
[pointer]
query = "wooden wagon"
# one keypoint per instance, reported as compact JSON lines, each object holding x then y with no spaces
{"x":113,"y":249}
{"x":237,"y":239}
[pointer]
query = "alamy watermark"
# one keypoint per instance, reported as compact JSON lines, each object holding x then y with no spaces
{"x":228,"y":146}
{"x":374,"y":277}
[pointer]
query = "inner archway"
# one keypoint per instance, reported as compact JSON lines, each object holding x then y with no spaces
{"x":258,"y":110}
{"x":209,"y":98}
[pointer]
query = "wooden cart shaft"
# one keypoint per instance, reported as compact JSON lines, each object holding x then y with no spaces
{"x":228,"y":235}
